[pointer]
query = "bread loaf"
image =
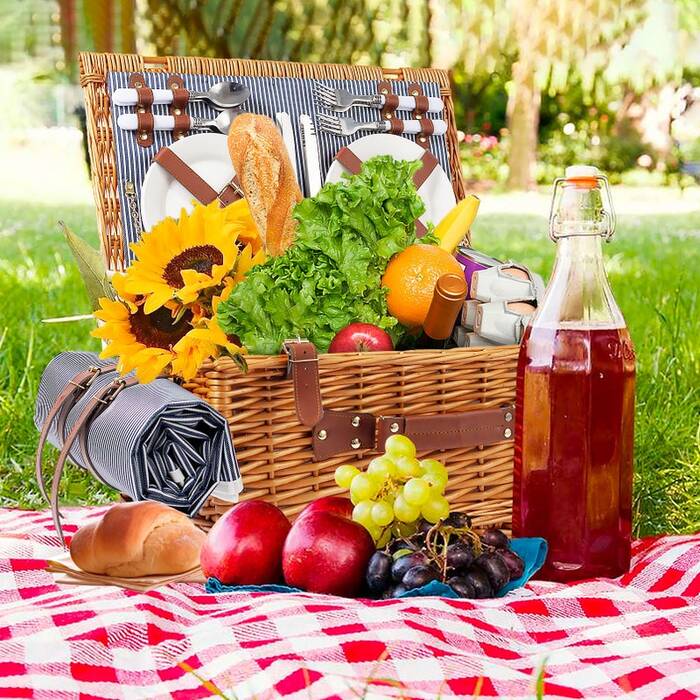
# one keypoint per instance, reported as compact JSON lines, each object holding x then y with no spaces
{"x":260,"y":159}
{"x":138,"y":539}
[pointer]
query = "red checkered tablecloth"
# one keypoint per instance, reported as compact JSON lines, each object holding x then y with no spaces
{"x":638,"y":636}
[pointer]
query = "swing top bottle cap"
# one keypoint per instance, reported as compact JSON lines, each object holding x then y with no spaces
{"x":575,"y":172}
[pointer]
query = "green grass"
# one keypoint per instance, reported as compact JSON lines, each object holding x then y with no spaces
{"x":653,"y":265}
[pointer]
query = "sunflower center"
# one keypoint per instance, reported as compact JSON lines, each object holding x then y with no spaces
{"x":200,"y":258}
{"x":159,"y":330}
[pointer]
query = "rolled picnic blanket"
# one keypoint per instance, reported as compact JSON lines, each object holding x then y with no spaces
{"x":153,"y":441}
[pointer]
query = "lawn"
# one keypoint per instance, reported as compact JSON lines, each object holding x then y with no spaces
{"x":653,"y":265}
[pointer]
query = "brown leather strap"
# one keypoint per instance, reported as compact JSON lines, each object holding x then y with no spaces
{"x":343,"y":431}
{"x":349,"y":160}
{"x":181,"y":97}
{"x":391,"y":102}
{"x":187,"y":177}
{"x":231,"y":192}
{"x":60,"y":411}
{"x":430,"y":162}
{"x":144,"y":97}
{"x":396,"y":126}
{"x":302,"y":368}
{"x":384,"y":88}
{"x":97,"y":403}
{"x":181,"y":125}
{"x":144,"y":124}
{"x":144,"y":100}
{"x":339,"y":432}
{"x":68,"y":397}
{"x":416,"y":91}
{"x":428,"y":127}
{"x":177,"y":106}
{"x":448,"y":431}
{"x":421,"y":104}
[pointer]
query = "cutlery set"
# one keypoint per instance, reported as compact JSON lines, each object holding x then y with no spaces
{"x":340,"y":100}
{"x":228,"y":96}
{"x":228,"y":99}
{"x":345,"y":126}
{"x":224,"y":95}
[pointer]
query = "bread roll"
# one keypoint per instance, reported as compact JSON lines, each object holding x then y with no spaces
{"x":260,"y":159}
{"x":138,"y":539}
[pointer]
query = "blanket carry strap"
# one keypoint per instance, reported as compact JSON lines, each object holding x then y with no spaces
{"x":59,"y":412}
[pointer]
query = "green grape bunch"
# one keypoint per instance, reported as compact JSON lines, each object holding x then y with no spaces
{"x":396,"y":491}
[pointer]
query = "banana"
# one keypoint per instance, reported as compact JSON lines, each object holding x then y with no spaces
{"x":455,"y":225}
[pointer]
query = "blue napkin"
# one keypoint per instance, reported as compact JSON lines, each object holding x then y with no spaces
{"x":532,"y":550}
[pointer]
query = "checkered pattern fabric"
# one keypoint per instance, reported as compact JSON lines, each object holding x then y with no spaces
{"x":638,"y":636}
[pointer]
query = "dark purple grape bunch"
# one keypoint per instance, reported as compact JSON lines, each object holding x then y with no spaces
{"x":473,"y":566}
{"x":493,"y":568}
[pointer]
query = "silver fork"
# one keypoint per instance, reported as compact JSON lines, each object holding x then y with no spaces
{"x":345,"y":126}
{"x":341,"y":100}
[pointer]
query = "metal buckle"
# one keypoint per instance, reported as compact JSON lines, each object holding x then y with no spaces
{"x":234,"y":187}
{"x":113,"y":390}
{"x":88,"y":381}
{"x":290,"y":360}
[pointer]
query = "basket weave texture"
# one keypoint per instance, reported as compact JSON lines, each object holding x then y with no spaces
{"x":274,"y":451}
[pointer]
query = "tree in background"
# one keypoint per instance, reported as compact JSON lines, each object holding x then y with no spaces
{"x":545,"y":40}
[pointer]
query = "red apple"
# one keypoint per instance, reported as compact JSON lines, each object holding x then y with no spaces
{"x":245,"y":545}
{"x":329,"y":504}
{"x":361,"y":337}
{"x":326,"y":553}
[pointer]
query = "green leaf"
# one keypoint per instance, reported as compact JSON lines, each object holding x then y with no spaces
{"x":539,"y":682}
{"x":91,"y":266}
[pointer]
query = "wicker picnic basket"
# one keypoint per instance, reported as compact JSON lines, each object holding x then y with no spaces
{"x":289,"y":438}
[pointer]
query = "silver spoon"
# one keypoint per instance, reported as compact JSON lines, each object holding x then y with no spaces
{"x":166,"y":122}
{"x":222,"y":95}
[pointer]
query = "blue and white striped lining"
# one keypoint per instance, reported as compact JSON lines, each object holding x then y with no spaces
{"x":155,"y":441}
{"x":268,"y":96}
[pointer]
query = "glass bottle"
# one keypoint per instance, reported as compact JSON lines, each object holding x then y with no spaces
{"x":448,"y":299}
{"x":575,"y":398}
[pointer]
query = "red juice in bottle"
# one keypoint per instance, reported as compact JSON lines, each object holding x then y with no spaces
{"x":575,"y":400}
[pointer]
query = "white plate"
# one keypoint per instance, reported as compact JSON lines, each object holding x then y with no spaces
{"x":436,"y":191}
{"x":163,"y":196}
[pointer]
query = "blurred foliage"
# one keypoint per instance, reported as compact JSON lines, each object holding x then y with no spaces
{"x":329,"y":31}
{"x":590,"y":141}
{"x":519,"y":64}
{"x":484,"y":159}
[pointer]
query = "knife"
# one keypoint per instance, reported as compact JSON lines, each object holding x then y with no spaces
{"x":309,"y":144}
{"x":284,"y":123}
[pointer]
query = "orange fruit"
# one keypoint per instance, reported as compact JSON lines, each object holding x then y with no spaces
{"x":411,"y":276}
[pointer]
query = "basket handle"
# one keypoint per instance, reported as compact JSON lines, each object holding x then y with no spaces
{"x":336,"y":432}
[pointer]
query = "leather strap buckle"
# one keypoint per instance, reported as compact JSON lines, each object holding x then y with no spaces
{"x":302,"y":369}
{"x":113,"y":390}
{"x":87,"y":382}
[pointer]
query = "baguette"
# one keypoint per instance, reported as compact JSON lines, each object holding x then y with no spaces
{"x":260,"y":159}
{"x":138,"y":539}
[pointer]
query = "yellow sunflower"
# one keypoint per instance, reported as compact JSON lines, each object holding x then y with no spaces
{"x":211,"y":333}
{"x":143,"y":342}
{"x":131,"y":300}
{"x":178,"y":259}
